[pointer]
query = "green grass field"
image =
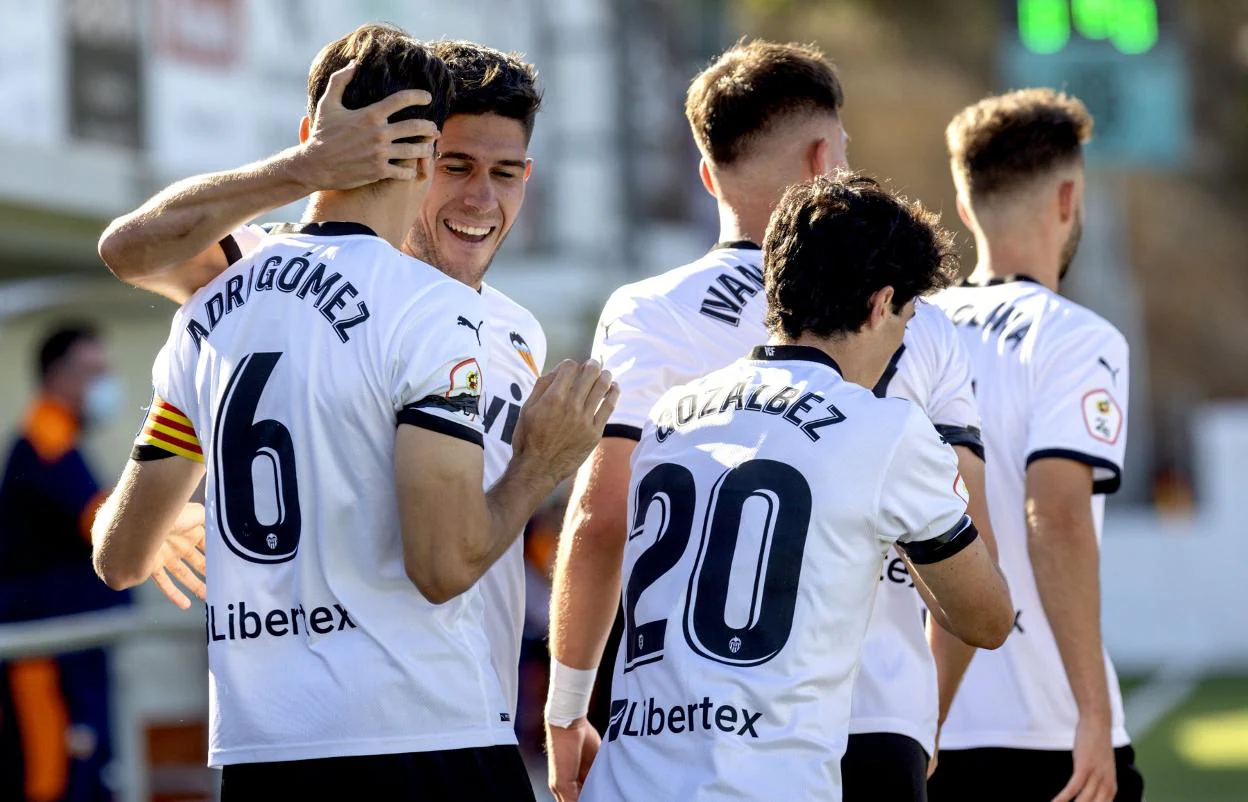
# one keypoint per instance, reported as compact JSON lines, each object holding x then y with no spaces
{"x":1198,"y":752}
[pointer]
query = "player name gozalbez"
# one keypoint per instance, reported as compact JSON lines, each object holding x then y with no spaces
{"x":295,"y":276}
{"x":793,"y":404}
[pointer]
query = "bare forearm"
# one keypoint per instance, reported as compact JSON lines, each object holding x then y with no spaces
{"x":953,"y":657}
{"x":585,"y":595}
{"x":193,"y":215}
{"x":1066,"y":563}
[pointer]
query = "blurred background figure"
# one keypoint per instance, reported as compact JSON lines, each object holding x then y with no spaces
{"x":57,"y":735}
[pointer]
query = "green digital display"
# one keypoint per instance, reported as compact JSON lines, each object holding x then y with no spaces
{"x":1046,"y":26}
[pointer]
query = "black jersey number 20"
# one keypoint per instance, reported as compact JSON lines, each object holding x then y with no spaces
{"x":785,"y":501}
{"x":254,"y":463}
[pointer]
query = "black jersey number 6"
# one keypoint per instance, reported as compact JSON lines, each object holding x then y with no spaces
{"x":254,"y":462}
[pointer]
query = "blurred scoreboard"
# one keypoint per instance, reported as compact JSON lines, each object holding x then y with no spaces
{"x":1124,"y":58}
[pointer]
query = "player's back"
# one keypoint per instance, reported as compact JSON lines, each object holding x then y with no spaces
{"x":761,"y":505}
{"x":1051,"y":381}
{"x":295,"y":366}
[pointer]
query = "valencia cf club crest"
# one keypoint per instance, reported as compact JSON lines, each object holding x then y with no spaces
{"x":526,"y":353}
{"x":1102,"y":416}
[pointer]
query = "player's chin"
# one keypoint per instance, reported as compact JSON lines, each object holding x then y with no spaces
{"x":465,"y":256}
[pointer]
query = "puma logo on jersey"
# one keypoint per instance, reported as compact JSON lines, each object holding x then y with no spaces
{"x":463,"y":321}
{"x":725,"y":301}
{"x":1112,"y":373}
{"x":655,"y":719}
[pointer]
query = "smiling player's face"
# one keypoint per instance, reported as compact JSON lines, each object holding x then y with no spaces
{"x":476,"y":193}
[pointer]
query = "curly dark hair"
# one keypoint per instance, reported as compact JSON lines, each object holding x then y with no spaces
{"x":749,"y":87}
{"x":388,"y":60}
{"x":833,"y":242}
{"x":489,"y":81}
{"x":1005,"y":140}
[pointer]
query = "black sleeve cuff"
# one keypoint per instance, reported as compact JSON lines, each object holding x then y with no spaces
{"x":623,"y":430}
{"x":230,"y":248}
{"x":412,"y":416}
{"x":943,"y":547}
{"x":460,"y":404}
{"x":143,"y":452}
{"x":966,"y":436}
{"x":1099,"y":486}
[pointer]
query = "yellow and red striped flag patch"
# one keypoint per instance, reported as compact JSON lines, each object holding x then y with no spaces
{"x":166,"y":427}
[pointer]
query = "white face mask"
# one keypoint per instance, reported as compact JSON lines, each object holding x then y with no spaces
{"x":103,"y":400}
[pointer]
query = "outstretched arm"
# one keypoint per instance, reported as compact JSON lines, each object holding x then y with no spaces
{"x":169,"y":245}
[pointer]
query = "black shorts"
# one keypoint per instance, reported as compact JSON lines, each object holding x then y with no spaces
{"x":884,"y":767}
{"x":1020,"y":775}
{"x":486,"y":772}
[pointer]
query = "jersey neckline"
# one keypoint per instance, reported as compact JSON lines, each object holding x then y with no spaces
{"x":328,"y":228}
{"x":737,"y":244}
{"x":802,"y":353}
{"x":996,"y":280}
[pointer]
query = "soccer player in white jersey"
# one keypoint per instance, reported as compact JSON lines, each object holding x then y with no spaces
{"x":170,"y":246}
{"x":1041,"y":719}
{"x":335,"y":382}
{"x":764,"y":116}
{"x":763,"y":500}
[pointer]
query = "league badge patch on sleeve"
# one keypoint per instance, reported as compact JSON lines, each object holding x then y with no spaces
{"x":465,"y":379}
{"x":1103,"y":416}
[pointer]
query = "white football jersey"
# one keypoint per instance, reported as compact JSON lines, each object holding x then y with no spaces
{"x":763,"y":500}
{"x":672,"y":328}
{"x":1051,"y":378}
{"x":290,"y":372}
{"x":515,"y":353}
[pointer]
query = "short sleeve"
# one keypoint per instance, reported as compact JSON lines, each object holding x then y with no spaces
{"x":1079,"y":403}
{"x":436,"y":380}
{"x":241,"y":241}
{"x":923,"y":499}
{"x":648,"y":352}
{"x":953,"y":408}
{"x":167,"y":427}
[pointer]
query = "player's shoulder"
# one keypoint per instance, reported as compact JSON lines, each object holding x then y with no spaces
{"x":507,"y":311}
{"x":930,"y":327}
{"x":682,"y":290}
{"x":1073,"y":320}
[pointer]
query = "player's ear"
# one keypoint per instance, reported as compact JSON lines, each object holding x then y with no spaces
{"x":819,"y":158}
{"x":704,"y":172}
{"x":528,"y":168}
{"x":964,"y":212}
{"x":1067,"y":202}
{"x":881,"y":303}
{"x":305,"y":129}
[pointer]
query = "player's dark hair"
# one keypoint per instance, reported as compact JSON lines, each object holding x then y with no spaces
{"x":388,"y":60}
{"x":833,"y":242}
{"x":489,"y":81}
{"x":1005,"y":140}
{"x":59,"y":342}
{"x":750,"y":87}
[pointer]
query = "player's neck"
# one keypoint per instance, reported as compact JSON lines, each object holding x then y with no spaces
{"x":388,"y":211}
{"x":743,"y":221}
{"x":857,"y":361}
{"x":1013,"y":254}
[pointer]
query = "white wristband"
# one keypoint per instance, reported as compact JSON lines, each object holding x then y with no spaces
{"x":570,"y":689}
